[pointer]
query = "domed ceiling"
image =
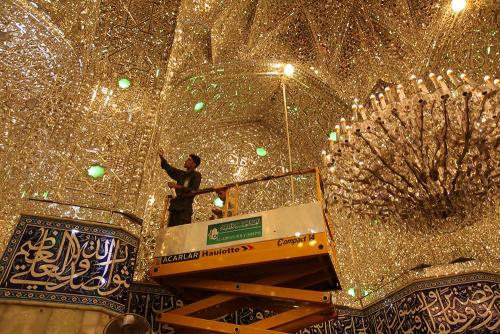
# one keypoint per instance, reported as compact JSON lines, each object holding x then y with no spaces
{"x":206,"y":77}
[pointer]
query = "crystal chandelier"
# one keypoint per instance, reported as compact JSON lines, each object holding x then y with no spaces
{"x":430,"y":156}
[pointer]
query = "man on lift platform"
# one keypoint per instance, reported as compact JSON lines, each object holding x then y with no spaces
{"x":181,"y":207}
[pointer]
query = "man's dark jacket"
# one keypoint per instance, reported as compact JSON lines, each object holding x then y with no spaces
{"x":190,"y":181}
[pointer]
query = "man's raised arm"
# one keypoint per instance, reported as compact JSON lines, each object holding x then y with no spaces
{"x":173,"y":172}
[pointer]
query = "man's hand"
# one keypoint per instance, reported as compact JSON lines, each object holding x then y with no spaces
{"x":174,"y":185}
{"x":160,"y":152}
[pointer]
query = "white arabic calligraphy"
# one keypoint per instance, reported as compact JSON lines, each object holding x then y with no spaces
{"x":54,"y":265}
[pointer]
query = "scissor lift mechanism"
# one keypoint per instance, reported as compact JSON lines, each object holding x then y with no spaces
{"x":290,"y":286}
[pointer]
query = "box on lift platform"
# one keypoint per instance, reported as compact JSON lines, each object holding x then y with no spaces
{"x":258,"y":244}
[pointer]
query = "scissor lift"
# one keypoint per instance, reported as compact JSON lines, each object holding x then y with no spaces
{"x":279,"y":260}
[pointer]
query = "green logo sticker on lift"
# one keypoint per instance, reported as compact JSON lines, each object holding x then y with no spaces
{"x":234,"y":230}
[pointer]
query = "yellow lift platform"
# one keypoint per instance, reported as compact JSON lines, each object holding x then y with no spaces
{"x":280,"y":260}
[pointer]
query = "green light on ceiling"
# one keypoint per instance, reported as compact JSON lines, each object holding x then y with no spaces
{"x":332,"y":136}
{"x":351,"y":292}
{"x":45,"y":195}
{"x":218,"y":202}
{"x":199,"y":105}
{"x":293,"y":108}
{"x":366,"y":293}
{"x":195,"y":78}
{"x":96,"y":171}
{"x":124,"y":83}
{"x":261,"y":151}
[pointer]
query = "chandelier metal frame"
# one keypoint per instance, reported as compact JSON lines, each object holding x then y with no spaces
{"x":426,"y":157}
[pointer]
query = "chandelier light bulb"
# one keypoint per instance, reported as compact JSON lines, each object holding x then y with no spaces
{"x":489,"y":82}
{"x":467,"y":79}
{"x":458,"y":5}
{"x":381,"y":98}
{"x":414,"y":80}
{"x":434,"y":80}
{"x":453,"y":77}
{"x":289,"y":70}
{"x":362,"y":112}
{"x":421,"y":86}
{"x":343,"y":122}
{"x":373,"y":102}
{"x":401,"y":92}
{"x":388,"y":93}
{"x":443,"y":85}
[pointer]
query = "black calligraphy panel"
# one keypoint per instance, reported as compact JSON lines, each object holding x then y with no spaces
{"x":348,"y":322}
{"x":61,"y":261}
{"x":461,"y":304}
{"x":149,"y":301}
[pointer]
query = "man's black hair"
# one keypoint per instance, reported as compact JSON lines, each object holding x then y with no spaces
{"x":196,"y":159}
